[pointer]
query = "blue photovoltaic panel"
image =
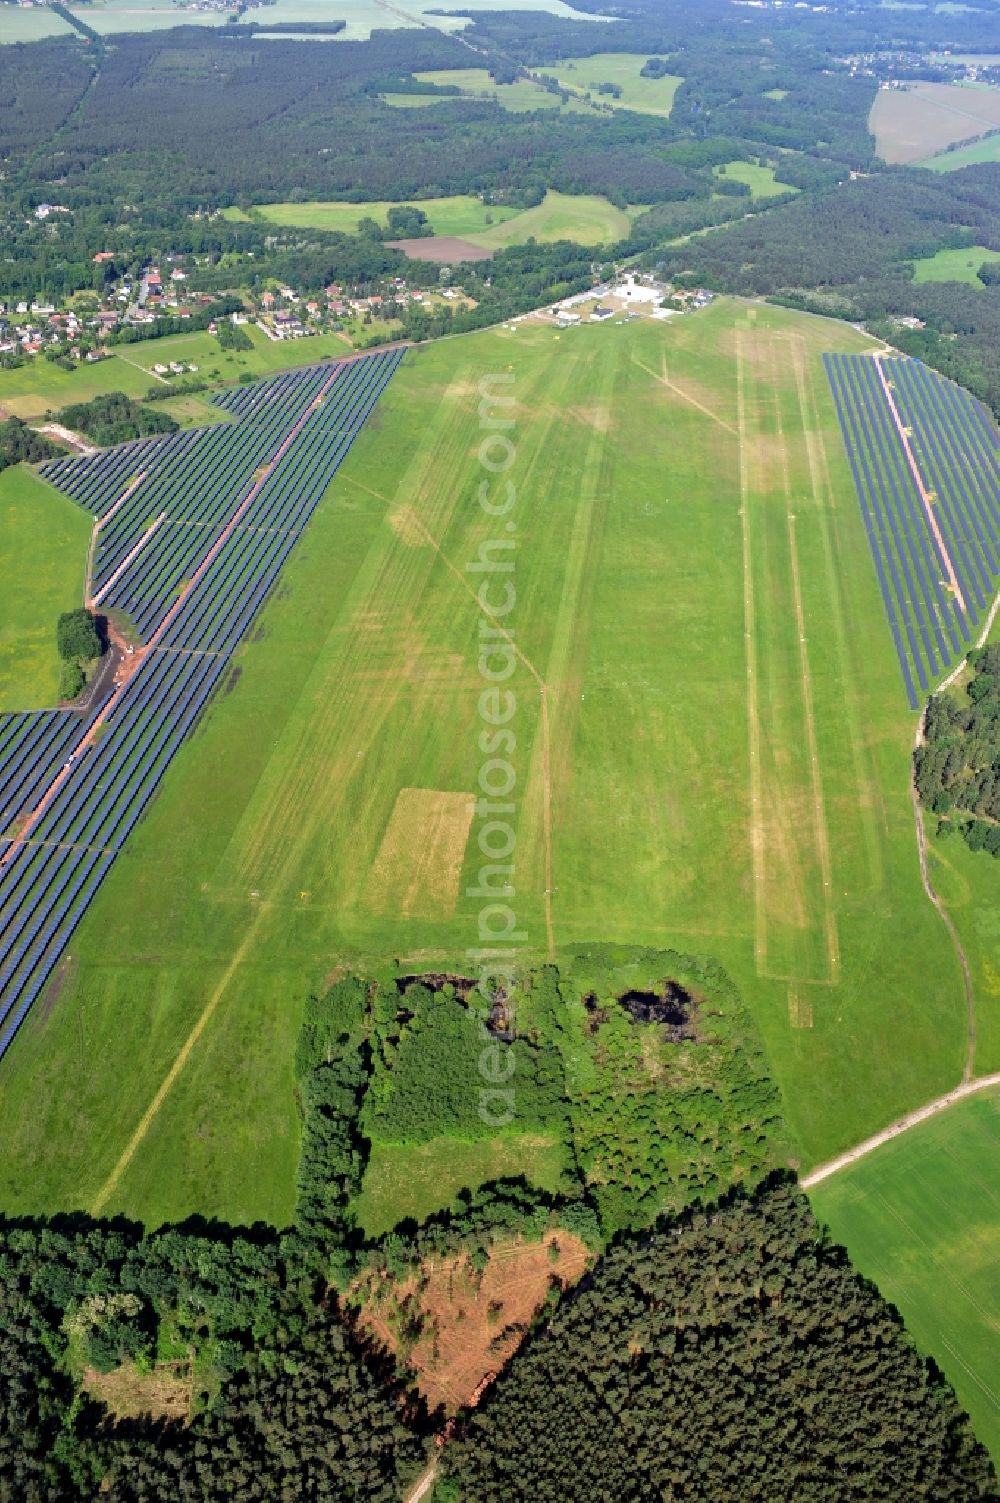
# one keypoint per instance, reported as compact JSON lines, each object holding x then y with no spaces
{"x":202,"y":480}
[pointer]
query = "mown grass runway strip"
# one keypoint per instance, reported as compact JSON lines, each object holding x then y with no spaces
{"x":636,"y":544}
{"x":199,"y":586}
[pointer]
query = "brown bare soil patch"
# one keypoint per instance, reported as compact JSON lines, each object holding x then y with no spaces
{"x":417,"y":869}
{"x":910,"y":124}
{"x":598,"y":418}
{"x":459,"y":1327}
{"x":165,"y":1393}
{"x":444,"y":248}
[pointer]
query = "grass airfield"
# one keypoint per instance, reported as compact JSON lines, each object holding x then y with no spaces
{"x":719,"y":762}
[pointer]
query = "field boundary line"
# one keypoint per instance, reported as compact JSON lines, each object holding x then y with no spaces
{"x":181,"y":1059}
{"x":753,"y":716}
{"x":665,"y":380}
{"x":820,"y":827}
{"x":546,"y":729}
{"x":826,"y":506}
{"x":921,"y":488}
{"x":922,"y":848}
{"x":895,"y":1129}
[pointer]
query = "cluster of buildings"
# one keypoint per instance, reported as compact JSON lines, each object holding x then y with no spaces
{"x":631,"y":297}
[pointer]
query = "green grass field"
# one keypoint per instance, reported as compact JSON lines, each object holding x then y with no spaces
{"x":404,"y":1180}
{"x":919,"y":1216}
{"x":954,"y":265}
{"x":986,"y":150}
{"x":33,"y":389}
{"x":43,"y":556}
{"x":759,"y":179}
{"x":647,"y":96}
{"x":677,"y":488}
{"x":462,"y":214}
{"x":475,"y":83}
{"x":587,"y":218}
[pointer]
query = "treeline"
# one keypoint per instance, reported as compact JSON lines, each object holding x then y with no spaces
{"x":733,"y":1353}
{"x":114,"y":419}
{"x":21,"y":444}
{"x":957,"y":768}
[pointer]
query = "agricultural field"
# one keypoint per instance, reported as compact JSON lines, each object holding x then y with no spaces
{"x":587,"y":218}
{"x":912,"y":124}
{"x":40,"y":386}
{"x":695,"y":471}
{"x":955,"y":265}
{"x":647,"y":96}
{"x":462,"y":214}
{"x":190,"y":535}
{"x":43,"y":552}
{"x":986,"y":150}
{"x":919,"y":1217}
{"x":475,"y":83}
{"x":925,"y":461}
{"x":361,"y":17}
{"x":758,"y":177}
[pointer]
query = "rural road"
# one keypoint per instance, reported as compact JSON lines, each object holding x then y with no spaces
{"x":912,"y":1119}
{"x":423,"y":1484}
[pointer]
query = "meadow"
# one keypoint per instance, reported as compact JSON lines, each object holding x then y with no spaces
{"x":361,"y":17}
{"x":758,"y":177}
{"x":586,"y":218}
{"x":912,"y":124}
{"x":462,"y":214}
{"x":712,"y":753}
{"x":986,"y":150}
{"x":955,"y":265}
{"x":647,"y":96}
{"x":40,"y":386}
{"x":43,"y":554}
{"x":919,"y":1217}
{"x":476,"y":83}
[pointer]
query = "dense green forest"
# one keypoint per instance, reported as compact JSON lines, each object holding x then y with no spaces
{"x":957,"y":768}
{"x":114,"y":418}
{"x":732,"y":1354}
{"x":239,"y":118}
{"x":729,"y":1351}
{"x":20,"y":443}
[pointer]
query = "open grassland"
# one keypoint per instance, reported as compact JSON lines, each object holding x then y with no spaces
{"x":43,"y":553}
{"x":406,"y":1179}
{"x":986,"y":150}
{"x":712,"y":752}
{"x":758,"y":178}
{"x":919,"y":1216}
{"x":462,"y":214}
{"x":38,"y":387}
{"x":914,"y":123}
{"x":954,"y":265}
{"x":20,"y":24}
{"x":968,"y":883}
{"x":647,"y":96}
{"x":585,"y":217}
{"x":475,"y":83}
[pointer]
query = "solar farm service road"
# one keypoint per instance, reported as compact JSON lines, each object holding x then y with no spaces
{"x":229,"y":503}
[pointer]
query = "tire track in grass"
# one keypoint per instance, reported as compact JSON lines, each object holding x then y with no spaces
{"x":750,"y":634}
{"x":181,"y":1059}
{"x":821,"y":833}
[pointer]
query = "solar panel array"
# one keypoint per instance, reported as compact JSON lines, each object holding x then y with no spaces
{"x":936,"y":543}
{"x":235,"y":499}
